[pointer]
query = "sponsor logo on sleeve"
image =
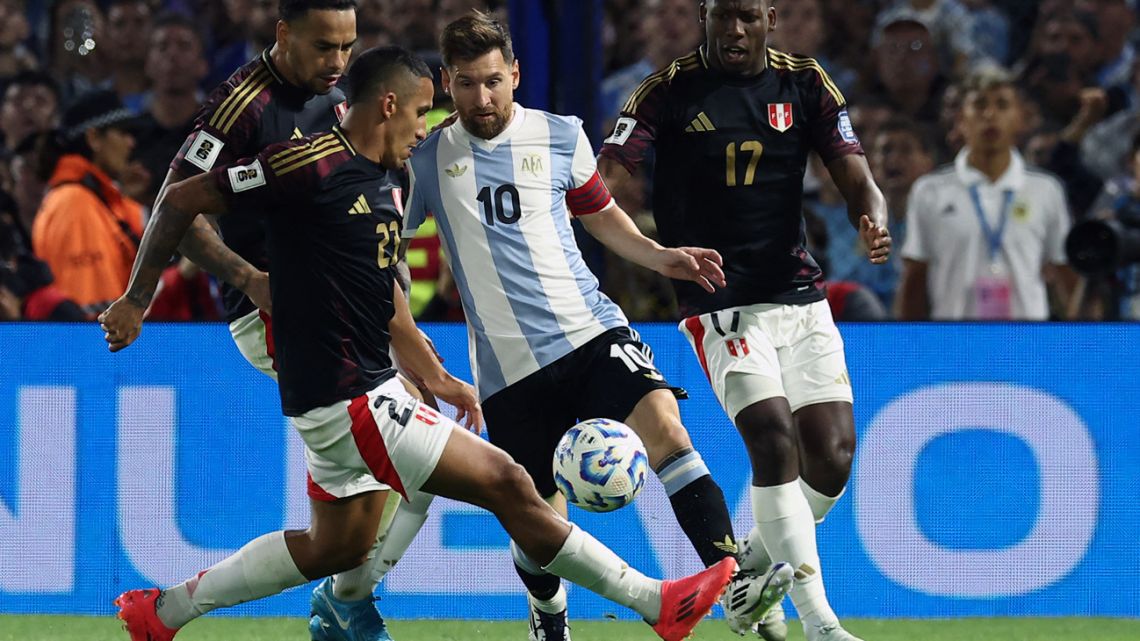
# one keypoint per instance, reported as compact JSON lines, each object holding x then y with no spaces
{"x":246,"y":177}
{"x":846,"y":129}
{"x":203,"y":152}
{"x":622,"y":131}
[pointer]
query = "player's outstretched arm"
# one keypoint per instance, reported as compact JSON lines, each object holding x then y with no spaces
{"x":616,"y":230}
{"x":204,"y":247}
{"x":122,"y":321}
{"x":416,"y":355}
{"x":866,"y":207}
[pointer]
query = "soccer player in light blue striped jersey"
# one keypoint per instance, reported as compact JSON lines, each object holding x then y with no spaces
{"x":548,"y":348}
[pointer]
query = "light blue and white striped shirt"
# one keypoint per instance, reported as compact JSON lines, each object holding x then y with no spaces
{"x":501,"y":206}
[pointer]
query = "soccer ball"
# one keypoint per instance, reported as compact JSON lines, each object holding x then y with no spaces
{"x":600,"y":465}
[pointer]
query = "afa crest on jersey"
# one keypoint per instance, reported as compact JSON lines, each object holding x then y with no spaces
{"x":780,"y":116}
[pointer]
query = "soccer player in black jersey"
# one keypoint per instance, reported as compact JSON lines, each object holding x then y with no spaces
{"x":333,"y":221}
{"x":287,"y":92}
{"x":732,"y":125}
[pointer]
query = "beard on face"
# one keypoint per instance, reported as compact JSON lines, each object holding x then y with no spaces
{"x":486,"y":128}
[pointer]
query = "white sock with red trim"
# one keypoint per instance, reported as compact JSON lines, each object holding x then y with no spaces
{"x":261,"y":568}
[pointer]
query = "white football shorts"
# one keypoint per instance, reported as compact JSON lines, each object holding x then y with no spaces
{"x":383,"y":439}
{"x":756,"y":352}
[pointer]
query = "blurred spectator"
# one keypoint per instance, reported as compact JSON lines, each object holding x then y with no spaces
{"x":951,"y":136}
{"x":676,"y":31}
{"x":990,"y":31}
{"x":908,"y":74}
{"x":14,"y":30}
{"x":951,"y":27}
{"x":128,"y":34}
{"x":1061,"y":63}
{"x":848,"y":300}
{"x":27,"y":185}
{"x":250,"y":28}
{"x":1115,"y":20}
{"x":26,"y":289}
{"x":30,"y":105}
{"x":899,"y":154}
{"x":985,"y":237}
{"x":374,"y":22}
{"x":1064,"y":158}
{"x":1116,"y":295}
{"x":1106,"y":146}
{"x":87,"y":230}
{"x":868,"y":115}
{"x":175,"y":65}
{"x":625,"y":32}
{"x":77,"y":47}
{"x":800,"y":29}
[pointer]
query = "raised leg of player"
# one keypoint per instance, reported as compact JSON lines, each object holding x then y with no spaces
{"x":698,"y":502}
{"x":339,"y":539}
{"x":476,"y":472}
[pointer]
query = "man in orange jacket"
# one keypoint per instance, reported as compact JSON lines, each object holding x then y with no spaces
{"x":87,"y":230}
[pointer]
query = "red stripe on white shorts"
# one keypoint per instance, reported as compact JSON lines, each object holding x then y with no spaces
{"x":697,"y":329}
{"x":371,"y":444}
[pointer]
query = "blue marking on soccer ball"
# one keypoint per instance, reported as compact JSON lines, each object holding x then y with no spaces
{"x":600,"y":465}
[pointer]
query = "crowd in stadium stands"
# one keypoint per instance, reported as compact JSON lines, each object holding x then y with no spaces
{"x":76,"y":179}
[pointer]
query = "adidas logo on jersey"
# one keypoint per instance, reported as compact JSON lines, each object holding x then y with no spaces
{"x":296,"y":134}
{"x":700,"y":123}
{"x":456,"y":170}
{"x":360,"y":206}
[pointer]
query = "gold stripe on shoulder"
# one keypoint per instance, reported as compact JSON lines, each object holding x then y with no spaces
{"x":310,"y":159}
{"x":288,"y":156}
{"x":686,"y":63}
{"x":344,"y":139}
{"x":240,"y":107}
{"x":223,"y":110}
{"x":782,"y":60}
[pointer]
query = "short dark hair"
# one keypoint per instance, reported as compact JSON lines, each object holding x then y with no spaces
{"x":33,"y":78}
{"x":904,"y":125}
{"x":379,"y":68}
{"x":174,"y":19}
{"x":292,"y":9}
{"x":472,"y":36}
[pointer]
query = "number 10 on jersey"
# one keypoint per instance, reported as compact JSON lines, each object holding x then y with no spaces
{"x":494,"y":206}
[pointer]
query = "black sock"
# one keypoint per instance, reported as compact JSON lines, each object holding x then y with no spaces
{"x":541,"y":586}
{"x":703,"y":515}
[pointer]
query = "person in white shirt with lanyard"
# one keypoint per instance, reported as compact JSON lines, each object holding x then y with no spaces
{"x":986,"y":235}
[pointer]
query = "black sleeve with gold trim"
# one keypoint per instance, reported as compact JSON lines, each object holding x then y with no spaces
{"x":225,"y":127}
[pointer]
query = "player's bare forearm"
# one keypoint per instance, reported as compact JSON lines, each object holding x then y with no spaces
{"x":411,"y":349}
{"x":617,"y":231}
{"x":852,"y":176}
{"x":205,"y":248}
{"x":168,"y":225}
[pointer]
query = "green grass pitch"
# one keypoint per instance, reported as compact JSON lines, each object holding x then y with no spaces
{"x":63,"y":628}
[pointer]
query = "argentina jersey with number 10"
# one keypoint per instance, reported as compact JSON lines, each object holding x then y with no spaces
{"x":502,"y":213}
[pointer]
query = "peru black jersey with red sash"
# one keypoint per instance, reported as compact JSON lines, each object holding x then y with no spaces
{"x":333,"y":221}
{"x":730,"y":156}
{"x":256,"y":107}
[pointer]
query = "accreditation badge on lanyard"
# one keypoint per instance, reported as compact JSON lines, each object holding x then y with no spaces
{"x":993,"y":292}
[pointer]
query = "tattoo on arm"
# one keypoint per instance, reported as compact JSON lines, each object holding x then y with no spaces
{"x":205,"y":248}
{"x":167,"y":227}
